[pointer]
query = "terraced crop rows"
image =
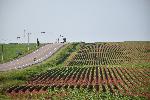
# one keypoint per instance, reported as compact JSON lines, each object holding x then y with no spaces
{"x":110,"y":54}
{"x":100,"y":77}
{"x":128,"y":81}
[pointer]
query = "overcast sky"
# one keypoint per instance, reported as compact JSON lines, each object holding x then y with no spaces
{"x":78,"y":20}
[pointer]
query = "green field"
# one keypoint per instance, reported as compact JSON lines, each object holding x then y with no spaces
{"x":14,"y":51}
{"x":125,"y":62}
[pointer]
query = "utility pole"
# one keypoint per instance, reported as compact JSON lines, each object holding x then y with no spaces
{"x":24,"y":33}
{"x":2,"y":53}
{"x":28,"y":40}
{"x":60,"y":37}
{"x":38,"y":43}
{"x":3,"y":43}
{"x":18,"y":37}
{"x":43,"y":37}
{"x":58,"y":40}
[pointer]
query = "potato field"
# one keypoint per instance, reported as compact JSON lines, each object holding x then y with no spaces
{"x":102,"y":67}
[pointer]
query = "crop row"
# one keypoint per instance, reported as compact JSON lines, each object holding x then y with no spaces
{"x":112,"y":79}
{"x":106,"y":54}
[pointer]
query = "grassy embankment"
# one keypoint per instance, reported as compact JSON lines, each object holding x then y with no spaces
{"x":14,"y":51}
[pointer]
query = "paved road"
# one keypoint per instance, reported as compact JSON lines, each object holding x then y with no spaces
{"x":33,"y":58}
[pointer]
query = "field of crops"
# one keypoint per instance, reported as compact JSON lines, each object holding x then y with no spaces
{"x":111,"y":54}
{"x":128,"y":81}
{"x":99,"y":67}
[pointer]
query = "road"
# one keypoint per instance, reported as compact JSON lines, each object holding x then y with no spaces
{"x":35,"y":57}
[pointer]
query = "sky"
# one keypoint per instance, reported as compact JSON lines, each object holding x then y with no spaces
{"x":77,"y":20}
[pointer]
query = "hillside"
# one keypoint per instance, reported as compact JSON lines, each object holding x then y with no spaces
{"x":113,"y":70}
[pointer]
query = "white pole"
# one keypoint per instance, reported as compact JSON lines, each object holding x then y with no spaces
{"x":24,"y":33}
{"x":28,"y":42}
{"x":24,"y":40}
{"x":2,"y":53}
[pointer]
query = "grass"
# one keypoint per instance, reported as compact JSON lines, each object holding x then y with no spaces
{"x":13,"y":51}
{"x":16,"y":77}
{"x":85,"y":94}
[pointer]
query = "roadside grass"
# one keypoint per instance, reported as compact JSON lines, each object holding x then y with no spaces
{"x":14,"y":51}
{"x":16,"y":77}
